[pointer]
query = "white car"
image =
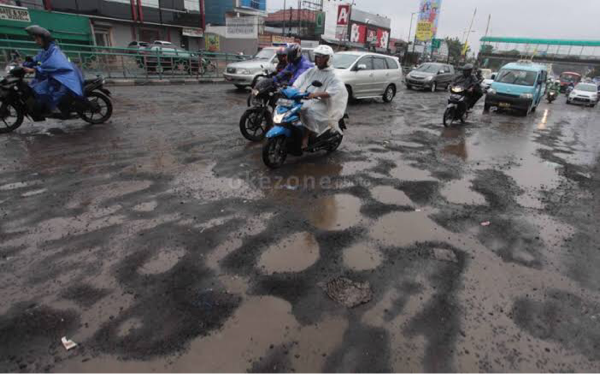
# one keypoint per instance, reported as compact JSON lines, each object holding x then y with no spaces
{"x":369,"y":75}
{"x":584,"y":94}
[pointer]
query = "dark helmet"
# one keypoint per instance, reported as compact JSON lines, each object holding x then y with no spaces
{"x":468,"y":69}
{"x":35,"y":30}
{"x":294,"y":52}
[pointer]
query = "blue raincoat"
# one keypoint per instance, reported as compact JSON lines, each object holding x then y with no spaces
{"x":55,"y":76}
{"x":294,"y":70}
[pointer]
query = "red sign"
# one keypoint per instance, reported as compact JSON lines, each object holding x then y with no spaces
{"x":383,"y":38}
{"x":358,"y":33}
{"x":343,"y":15}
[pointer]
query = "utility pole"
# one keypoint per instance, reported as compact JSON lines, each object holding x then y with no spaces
{"x":284,"y":10}
{"x":487,"y":29}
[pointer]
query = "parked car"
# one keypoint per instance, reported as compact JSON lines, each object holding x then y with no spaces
{"x":369,"y":75}
{"x":584,"y":94}
{"x":431,"y":76}
{"x":242,"y":73}
{"x":138,"y":44}
{"x":519,"y":86}
{"x":162,"y":56}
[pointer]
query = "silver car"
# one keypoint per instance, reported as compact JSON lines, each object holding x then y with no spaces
{"x":369,"y":75}
{"x":242,"y":73}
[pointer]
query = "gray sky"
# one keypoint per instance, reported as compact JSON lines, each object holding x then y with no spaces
{"x":560,"y":19}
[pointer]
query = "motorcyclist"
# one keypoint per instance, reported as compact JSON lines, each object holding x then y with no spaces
{"x":55,"y":75}
{"x":281,"y":59}
{"x":297,"y":65}
{"x":471,"y":83}
{"x":331,"y":98}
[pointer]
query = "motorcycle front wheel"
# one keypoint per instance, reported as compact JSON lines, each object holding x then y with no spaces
{"x":254,"y":124}
{"x":11,"y":117}
{"x":449,"y":117}
{"x":275,"y":152}
{"x":99,"y":109}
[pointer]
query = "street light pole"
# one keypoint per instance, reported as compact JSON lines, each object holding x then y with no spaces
{"x":408,"y":40}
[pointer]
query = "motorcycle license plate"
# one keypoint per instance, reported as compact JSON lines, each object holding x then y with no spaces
{"x":285,"y":102}
{"x":504,"y":105}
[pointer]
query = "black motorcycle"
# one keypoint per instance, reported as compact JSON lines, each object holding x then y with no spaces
{"x":17,"y":101}
{"x":458,"y":106}
{"x":258,"y":118}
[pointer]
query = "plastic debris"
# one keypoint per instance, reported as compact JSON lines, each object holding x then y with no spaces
{"x":486,"y":223}
{"x":291,"y":188}
{"x":349,"y":293}
{"x":68,"y":344}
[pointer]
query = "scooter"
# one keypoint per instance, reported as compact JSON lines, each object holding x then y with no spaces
{"x":551,"y":96}
{"x":286,"y":135}
{"x":16,"y":98}
{"x":457,"y":109}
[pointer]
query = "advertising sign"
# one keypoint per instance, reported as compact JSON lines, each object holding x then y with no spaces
{"x":358,"y":33}
{"x":383,"y":38}
{"x":429,"y":12}
{"x":372,"y":36}
{"x":192,"y":32}
{"x":213,"y":43}
{"x":343,"y":15}
{"x":320,"y":23}
{"x":424,"y":31}
{"x":242,"y":27}
{"x":12,"y":13}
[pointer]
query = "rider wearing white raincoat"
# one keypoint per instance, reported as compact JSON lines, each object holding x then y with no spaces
{"x":326,"y":112}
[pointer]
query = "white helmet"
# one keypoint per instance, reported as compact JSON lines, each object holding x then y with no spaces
{"x":325,"y":50}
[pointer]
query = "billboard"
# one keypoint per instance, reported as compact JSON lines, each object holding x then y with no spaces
{"x":242,"y":27}
{"x":429,"y":16}
{"x":358,"y":33}
{"x":343,"y":18}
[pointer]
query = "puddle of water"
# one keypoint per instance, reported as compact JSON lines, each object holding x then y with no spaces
{"x":336,"y":212}
{"x":390,"y":195}
{"x":460,"y":192}
{"x":293,"y":254}
{"x":163,"y":261}
{"x":405,"y":172}
{"x":362,"y":257}
{"x":146,"y":207}
{"x":400,"y":229}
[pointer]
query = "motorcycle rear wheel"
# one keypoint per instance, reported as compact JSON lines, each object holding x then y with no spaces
{"x":254,"y":125}
{"x":275,"y":152}
{"x":102,"y":113}
{"x":335,"y":144}
{"x":11,"y":118}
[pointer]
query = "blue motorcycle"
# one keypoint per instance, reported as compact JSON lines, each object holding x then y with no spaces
{"x":285,"y":137}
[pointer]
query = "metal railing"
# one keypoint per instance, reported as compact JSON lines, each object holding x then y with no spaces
{"x":150,"y":63}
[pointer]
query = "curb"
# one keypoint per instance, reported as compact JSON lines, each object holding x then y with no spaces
{"x":162,"y":82}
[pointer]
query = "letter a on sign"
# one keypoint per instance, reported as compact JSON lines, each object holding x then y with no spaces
{"x":343,"y":15}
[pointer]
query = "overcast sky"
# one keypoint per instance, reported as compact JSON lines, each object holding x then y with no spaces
{"x":560,"y":19}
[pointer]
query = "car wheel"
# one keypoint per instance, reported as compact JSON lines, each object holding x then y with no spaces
{"x":351,"y":98}
{"x":389,"y":94}
{"x":434,"y":87}
{"x":486,"y":108}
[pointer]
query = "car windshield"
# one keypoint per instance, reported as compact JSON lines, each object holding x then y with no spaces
{"x":519,"y":77}
{"x":265,"y":54}
{"x":570,"y":78}
{"x":587,"y":87}
{"x":428,"y":68}
{"x":343,"y":61}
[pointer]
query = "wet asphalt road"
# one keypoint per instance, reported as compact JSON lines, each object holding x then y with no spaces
{"x":160,"y":242}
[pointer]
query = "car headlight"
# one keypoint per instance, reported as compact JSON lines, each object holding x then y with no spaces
{"x":526,"y":96}
{"x":430,"y":78}
{"x":243,"y":71}
{"x":492,"y":91}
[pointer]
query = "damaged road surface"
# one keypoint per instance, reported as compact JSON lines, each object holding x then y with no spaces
{"x":160,"y":241}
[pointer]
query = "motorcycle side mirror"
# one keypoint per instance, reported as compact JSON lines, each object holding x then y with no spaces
{"x":317,"y":84}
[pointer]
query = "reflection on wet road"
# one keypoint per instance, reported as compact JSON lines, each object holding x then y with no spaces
{"x":160,"y":242}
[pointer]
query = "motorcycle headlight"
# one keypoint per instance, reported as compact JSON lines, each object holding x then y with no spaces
{"x":492,"y":91}
{"x":457,"y":89}
{"x":278,"y":118}
{"x":526,"y":96}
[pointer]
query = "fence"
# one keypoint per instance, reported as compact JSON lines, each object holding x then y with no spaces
{"x":154,"y":62}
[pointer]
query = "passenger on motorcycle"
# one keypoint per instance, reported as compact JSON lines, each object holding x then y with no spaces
{"x":297,"y":65}
{"x":55,"y":75}
{"x":471,"y":83}
{"x":282,"y":61}
{"x":332,"y":97}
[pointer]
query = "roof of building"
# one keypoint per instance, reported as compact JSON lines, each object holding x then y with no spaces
{"x":293,"y":15}
{"x":577,"y":43}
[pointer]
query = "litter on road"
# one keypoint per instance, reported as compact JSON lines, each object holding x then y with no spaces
{"x":68,"y":344}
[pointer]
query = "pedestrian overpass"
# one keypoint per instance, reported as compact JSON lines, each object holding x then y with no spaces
{"x":497,"y":51}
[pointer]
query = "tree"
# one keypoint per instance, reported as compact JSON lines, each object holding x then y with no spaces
{"x":455,"y":48}
{"x":486,"y":49}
